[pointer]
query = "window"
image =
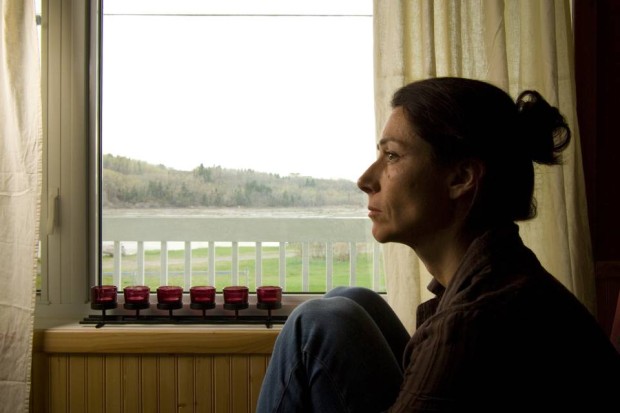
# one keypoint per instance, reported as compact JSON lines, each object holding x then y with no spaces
{"x":220,"y":117}
{"x":79,"y":248}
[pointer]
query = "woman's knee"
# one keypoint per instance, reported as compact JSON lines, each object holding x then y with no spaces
{"x":327,"y":309}
{"x":361,"y":295}
{"x":351,"y":292}
{"x":327,"y":317}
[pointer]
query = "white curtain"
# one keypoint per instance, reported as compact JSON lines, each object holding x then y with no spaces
{"x":20,"y":187}
{"x":516,"y":45}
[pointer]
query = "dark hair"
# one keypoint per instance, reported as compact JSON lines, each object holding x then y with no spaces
{"x":465,"y":118}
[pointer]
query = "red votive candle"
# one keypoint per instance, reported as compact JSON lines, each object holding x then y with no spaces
{"x":202,"y":294}
{"x":137,"y":294}
{"x":269,"y":294}
{"x":103,"y":294}
{"x":169,"y":294}
{"x":236,"y":295}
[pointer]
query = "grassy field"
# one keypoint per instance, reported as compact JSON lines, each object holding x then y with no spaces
{"x":247,"y":270}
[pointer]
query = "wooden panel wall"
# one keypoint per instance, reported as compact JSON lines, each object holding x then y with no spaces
{"x":133,"y":383}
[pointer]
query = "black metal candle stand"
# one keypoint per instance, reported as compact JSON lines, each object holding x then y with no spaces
{"x":103,"y":306}
{"x":269,"y":306}
{"x":174,"y":305}
{"x":101,"y":319}
{"x":136,"y":307}
{"x":236,"y":307}
{"x":203,"y":307}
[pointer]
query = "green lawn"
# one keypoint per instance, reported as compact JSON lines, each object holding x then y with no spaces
{"x":223,"y":265}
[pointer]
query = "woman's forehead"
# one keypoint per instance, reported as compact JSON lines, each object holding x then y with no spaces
{"x":397,"y":128}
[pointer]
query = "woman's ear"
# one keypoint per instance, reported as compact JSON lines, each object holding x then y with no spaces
{"x":465,"y":178}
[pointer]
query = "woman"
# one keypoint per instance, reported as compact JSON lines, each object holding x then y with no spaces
{"x":453,"y":174}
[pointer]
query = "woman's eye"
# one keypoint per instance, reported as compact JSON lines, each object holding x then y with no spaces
{"x":391,"y":156}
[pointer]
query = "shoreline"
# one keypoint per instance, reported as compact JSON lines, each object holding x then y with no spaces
{"x":314,"y":212}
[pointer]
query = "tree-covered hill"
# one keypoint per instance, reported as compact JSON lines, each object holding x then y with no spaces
{"x":129,"y":183}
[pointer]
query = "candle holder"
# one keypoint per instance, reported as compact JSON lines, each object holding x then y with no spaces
{"x":269,"y":298}
{"x":136,"y":298}
{"x":169,"y":298}
{"x":236,"y":298}
{"x":103,"y":297}
{"x":202,"y":298}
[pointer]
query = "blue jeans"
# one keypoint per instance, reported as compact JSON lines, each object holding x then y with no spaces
{"x":340,"y":353}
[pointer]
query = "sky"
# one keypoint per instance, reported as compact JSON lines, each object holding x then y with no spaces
{"x":197,"y":89}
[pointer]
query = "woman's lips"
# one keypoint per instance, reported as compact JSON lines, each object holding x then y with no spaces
{"x":373,"y":212}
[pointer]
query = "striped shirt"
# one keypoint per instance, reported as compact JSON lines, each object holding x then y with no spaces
{"x":506,"y":336}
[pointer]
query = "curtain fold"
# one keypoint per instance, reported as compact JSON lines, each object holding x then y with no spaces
{"x":20,"y":188}
{"x":516,"y":45}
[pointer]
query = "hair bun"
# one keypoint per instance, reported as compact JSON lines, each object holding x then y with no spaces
{"x":544,"y":128}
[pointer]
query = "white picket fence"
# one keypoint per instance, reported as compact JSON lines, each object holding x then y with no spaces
{"x":192,"y":231}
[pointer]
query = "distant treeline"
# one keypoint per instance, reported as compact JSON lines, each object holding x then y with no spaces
{"x":129,"y":183}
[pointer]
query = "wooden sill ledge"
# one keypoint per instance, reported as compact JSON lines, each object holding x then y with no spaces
{"x":76,"y":338}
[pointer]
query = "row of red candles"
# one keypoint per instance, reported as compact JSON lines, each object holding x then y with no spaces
{"x":139,"y":294}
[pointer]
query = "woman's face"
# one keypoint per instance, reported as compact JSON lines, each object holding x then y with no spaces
{"x":408,"y":198}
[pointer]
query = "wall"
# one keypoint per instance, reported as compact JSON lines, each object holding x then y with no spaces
{"x":597,"y":65}
{"x":84,"y":369}
{"x":150,"y":383}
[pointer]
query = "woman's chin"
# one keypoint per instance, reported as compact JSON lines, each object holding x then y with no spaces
{"x":380,"y":236}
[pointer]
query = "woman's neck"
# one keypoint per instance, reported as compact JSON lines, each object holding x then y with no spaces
{"x":443,"y":255}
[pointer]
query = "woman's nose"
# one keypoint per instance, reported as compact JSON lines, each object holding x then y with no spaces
{"x":367,"y":181}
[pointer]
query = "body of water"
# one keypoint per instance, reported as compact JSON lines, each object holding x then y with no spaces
{"x":319,"y":212}
{"x":130,"y":247}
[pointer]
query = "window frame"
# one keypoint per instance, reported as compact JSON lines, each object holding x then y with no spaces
{"x":70,"y":213}
{"x":66,"y":253}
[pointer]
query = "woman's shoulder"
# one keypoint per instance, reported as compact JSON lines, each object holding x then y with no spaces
{"x":521,"y":302}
